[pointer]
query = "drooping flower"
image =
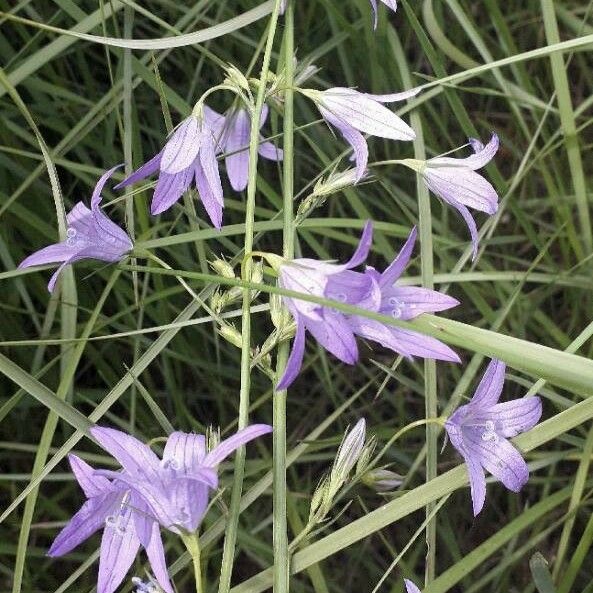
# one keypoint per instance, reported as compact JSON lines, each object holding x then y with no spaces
{"x":352,"y":112}
{"x":90,"y":235}
{"x":480,"y":431}
{"x":188,"y":157}
{"x":458,"y":184}
{"x":370,"y":290}
{"x":127,"y":524}
{"x":234,"y":144}
{"x":392,"y":4}
{"x":176,"y":488}
{"x":410,"y":587}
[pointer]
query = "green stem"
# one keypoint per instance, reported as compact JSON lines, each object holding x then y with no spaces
{"x":192,"y":543}
{"x":280,"y":527}
{"x":234,"y":510}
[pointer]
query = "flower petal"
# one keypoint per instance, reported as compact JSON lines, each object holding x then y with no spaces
{"x":231,"y":444}
{"x":295,"y":360}
{"x":410,"y":587}
{"x":187,"y":449}
{"x":471,"y":225}
{"x":270,"y":151}
{"x":156,"y":557}
{"x":490,"y":387}
{"x":365,"y":114}
{"x":477,"y":482}
{"x":353,"y":137}
{"x":352,"y":288}
{"x":481,"y":157}
{"x":146,"y":170}
{"x":169,"y":188}
{"x":364,"y":246}
{"x":119,"y":547}
{"x":411,"y":301}
{"x":513,"y":417}
{"x":96,"y":197}
{"x":397,"y":266}
{"x":211,"y":203}
{"x":237,"y":148}
{"x":58,"y":252}
{"x":91,"y":484}
{"x":182,"y":147}
{"x":333,"y":332}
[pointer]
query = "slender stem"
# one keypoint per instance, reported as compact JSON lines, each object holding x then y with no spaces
{"x":234,"y":510}
{"x":192,"y":543}
{"x":281,"y":557}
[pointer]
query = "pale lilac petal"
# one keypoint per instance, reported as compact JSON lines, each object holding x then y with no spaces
{"x":119,"y":546}
{"x":211,"y":203}
{"x":335,"y":335}
{"x":393,"y":97}
{"x":471,"y":225}
{"x":351,"y":288}
{"x":237,"y":149}
{"x":96,"y":197}
{"x":410,"y":587}
{"x":91,"y":484}
{"x":500,"y":458}
{"x":490,"y":387}
{"x":109,"y":235}
{"x":182,"y":147}
{"x":513,"y":417}
{"x":397,"y":266}
{"x":156,"y":557}
{"x":353,"y":137}
{"x":481,"y":157}
{"x":216,"y":123}
{"x":189,"y":498}
{"x":477,"y":482}
{"x":187,"y":449}
{"x":51,"y":254}
{"x":364,"y":246}
{"x":169,"y":188}
{"x":390,"y":4}
{"x":462,"y":185}
{"x":142,"y":518}
{"x":85,"y":522}
{"x":365,"y":114}
{"x":270,"y":151}
{"x":295,"y":360}
{"x":146,"y":170}
{"x":407,"y":302}
{"x":231,"y":444}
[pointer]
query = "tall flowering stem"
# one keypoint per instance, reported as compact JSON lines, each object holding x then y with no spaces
{"x":233,"y":517}
{"x":281,"y":559}
{"x":192,"y":543}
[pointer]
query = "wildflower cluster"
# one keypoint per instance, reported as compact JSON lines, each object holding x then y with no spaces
{"x":336,"y":303}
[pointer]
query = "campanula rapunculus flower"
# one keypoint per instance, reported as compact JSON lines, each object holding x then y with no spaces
{"x":410,"y":587}
{"x":234,"y":143}
{"x":188,"y":158}
{"x":370,"y":290}
{"x":176,"y":487}
{"x":352,"y":112}
{"x":127,"y":525}
{"x":90,"y":235}
{"x":392,"y":4}
{"x":458,"y":184}
{"x":480,"y":431}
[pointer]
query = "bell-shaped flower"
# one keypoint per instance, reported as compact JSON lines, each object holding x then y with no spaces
{"x":176,"y":487}
{"x":352,"y":112}
{"x":375,"y":292}
{"x":90,"y":235}
{"x":127,"y":524}
{"x":458,"y":184}
{"x":480,"y":431}
{"x":188,"y":157}
{"x":392,"y":4}
{"x":235,"y":145}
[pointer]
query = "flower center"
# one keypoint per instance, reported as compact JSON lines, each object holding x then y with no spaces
{"x":489,"y":433}
{"x":397,"y":307}
{"x":71,"y":234}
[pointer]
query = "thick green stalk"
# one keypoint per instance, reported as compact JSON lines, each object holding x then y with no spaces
{"x":233,"y":519}
{"x":192,"y":544}
{"x":281,"y":559}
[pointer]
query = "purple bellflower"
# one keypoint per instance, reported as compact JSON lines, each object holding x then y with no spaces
{"x":370,"y":290}
{"x":410,"y":587}
{"x":352,"y":112}
{"x":176,"y":488}
{"x":458,"y":184}
{"x":392,"y":4}
{"x":234,"y":143}
{"x":126,"y":522}
{"x":90,"y":235}
{"x":189,"y":156}
{"x":480,"y":431}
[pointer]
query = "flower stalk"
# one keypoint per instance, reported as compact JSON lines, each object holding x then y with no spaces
{"x":192,"y":544}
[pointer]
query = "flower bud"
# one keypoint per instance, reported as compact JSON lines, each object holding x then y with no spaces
{"x":222,"y":268}
{"x":230,"y":334}
{"x":348,"y":453}
{"x":382,"y":480}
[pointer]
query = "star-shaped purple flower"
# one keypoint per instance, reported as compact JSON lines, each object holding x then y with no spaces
{"x":480,"y":431}
{"x":235,"y":145}
{"x":370,"y":290}
{"x":127,"y":524}
{"x":352,"y":112}
{"x":91,"y":235}
{"x":458,"y":184}
{"x":176,"y":488}
{"x":189,"y":157}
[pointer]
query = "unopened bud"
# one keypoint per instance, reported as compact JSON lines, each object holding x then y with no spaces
{"x":382,"y":480}
{"x":222,"y":268}
{"x":257,"y":272}
{"x":365,"y":456}
{"x":348,"y":453}
{"x":236,"y":78}
{"x":318,"y":497}
{"x":231,"y":334}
